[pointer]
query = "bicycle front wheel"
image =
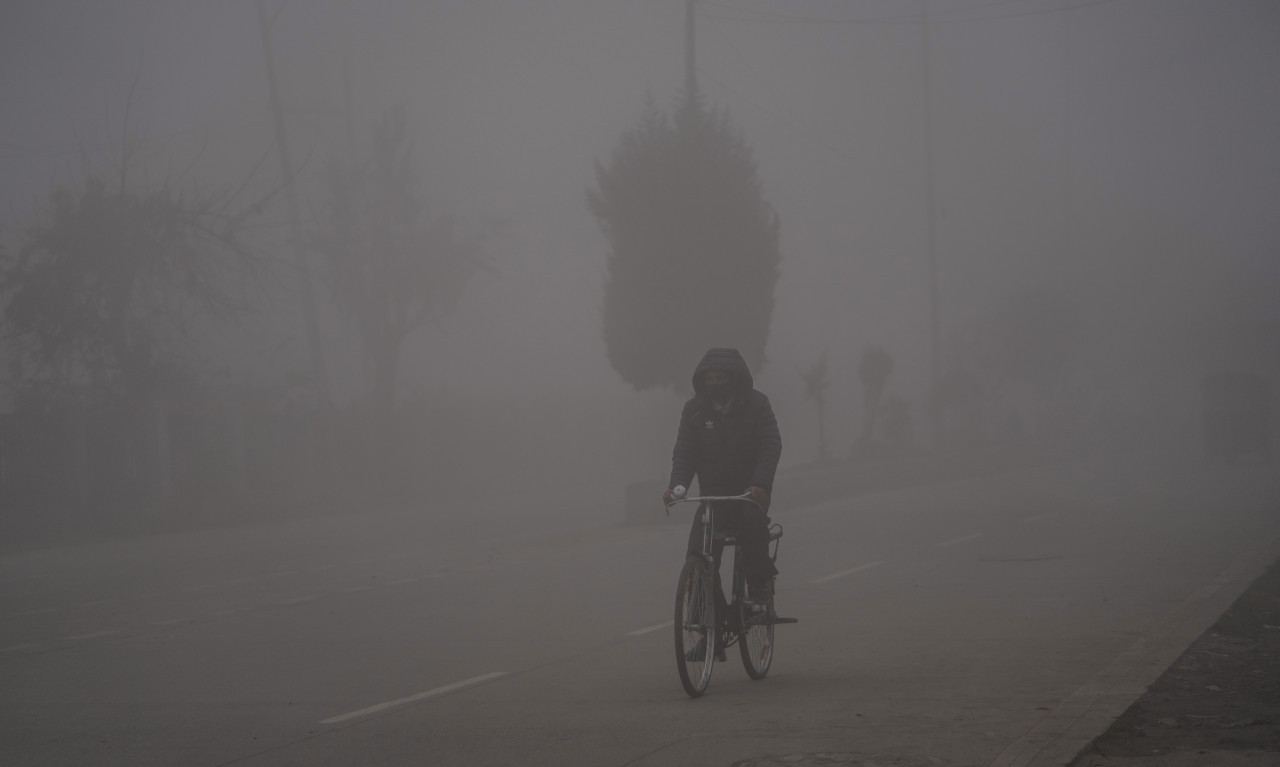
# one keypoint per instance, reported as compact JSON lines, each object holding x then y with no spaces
{"x":695,"y":626}
{"x":756,"y":641}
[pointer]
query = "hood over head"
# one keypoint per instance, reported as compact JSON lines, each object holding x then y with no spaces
{"x":730,"y":361}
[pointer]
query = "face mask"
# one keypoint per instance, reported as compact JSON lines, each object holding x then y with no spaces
{"x":718,"y":392}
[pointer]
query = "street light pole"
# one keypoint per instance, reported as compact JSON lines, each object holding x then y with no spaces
{"x":935,"y":414}
{"x":312,"y":326}
{"x":690,"y":66}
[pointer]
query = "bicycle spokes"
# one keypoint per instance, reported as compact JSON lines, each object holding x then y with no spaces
{"x":695,"y":627}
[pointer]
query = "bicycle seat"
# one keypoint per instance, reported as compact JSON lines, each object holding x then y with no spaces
{"x":729,"y":534}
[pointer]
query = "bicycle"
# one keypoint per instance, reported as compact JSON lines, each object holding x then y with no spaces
{"x":706,"y":623}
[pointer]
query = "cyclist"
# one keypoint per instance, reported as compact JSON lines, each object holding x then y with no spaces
{"x":729,"y":439}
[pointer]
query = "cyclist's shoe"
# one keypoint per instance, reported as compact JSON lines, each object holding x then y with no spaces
{"x":720,"y":656}
{"x":761,"y":596}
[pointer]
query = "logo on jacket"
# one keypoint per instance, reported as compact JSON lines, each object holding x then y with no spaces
{"x":711,"y":424}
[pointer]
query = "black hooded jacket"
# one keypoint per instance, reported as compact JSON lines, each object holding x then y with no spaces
{"x":729,"y":451}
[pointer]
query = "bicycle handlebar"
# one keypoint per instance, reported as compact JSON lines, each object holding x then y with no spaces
{"x":715,"y":498}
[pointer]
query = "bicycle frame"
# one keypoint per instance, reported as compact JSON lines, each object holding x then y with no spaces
{"x":727,"y":603}
{"x":747,"y":624}
{"x":708,"y":521}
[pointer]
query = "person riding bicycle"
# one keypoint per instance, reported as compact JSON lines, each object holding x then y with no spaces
{"x":728,"y":437}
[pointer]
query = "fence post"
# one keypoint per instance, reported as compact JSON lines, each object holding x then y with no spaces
{"x":234,"y":408}
{"x":78,"y":447}
{"x":159,"y":459}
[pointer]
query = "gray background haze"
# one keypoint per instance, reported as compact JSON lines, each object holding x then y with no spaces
{"x":1118,"y":156}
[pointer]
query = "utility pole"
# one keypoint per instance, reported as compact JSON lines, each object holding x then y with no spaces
{"x":347,"y":111}
{"x":690,"y":66}
{"x":312,"y":326}
{"x":935,"y":372}
{"x":1066,"y":259}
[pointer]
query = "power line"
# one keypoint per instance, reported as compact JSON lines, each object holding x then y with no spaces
{"x":782,"y":117}
{"x":798,"y":211}
{"x":772,"y":113}
{"x":770,"y":17}
{"x":1020,"y":14}
{"x":766,"y":16}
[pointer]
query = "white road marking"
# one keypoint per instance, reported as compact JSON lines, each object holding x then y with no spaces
{"x":1038,"y":517}
{"x":91,"y":635}
{"x":416,"y":578}
{"x":39,"y":611}
{"x":15,"y":648}
{"x":376,"y":560}
{"x":961,"y":539}
{"x":841,"y":504}
{"x":651,"y":629}
{"x":843,"y":573}
{"x":403,"y":581}
{"x":475,"y":680}
{"x":296,"y":600}
{"x":170,"y":622}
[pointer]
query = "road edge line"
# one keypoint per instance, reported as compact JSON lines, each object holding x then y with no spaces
{"x":432,"y":693}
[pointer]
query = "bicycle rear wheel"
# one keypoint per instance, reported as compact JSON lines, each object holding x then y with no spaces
{"x":695,"y":626}
{"x":755,"y":643}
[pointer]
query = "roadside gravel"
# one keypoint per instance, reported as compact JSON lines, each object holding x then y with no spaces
{"x":1218,"y":705}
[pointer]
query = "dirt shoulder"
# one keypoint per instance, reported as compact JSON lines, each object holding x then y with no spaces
{"x":1219,"y":703}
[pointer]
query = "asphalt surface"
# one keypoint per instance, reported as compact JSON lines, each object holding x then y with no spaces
{"x":997,"y":621}
{"x":1217,"y":704}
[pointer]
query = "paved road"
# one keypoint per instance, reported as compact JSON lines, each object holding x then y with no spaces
{"x":987,"y":622}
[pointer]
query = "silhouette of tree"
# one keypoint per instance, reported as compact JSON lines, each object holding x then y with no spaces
{"x":694,"y":247}
{"x":815,"y":390}
{"x":873,"y":371}
{"x":110,"y":286}
{"x":392,"y":268}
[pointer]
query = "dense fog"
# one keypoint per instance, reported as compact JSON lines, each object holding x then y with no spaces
{"x":344,"y":347}
{"x":1096,"y":183}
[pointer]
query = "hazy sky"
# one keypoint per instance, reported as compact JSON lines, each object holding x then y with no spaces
{"x":1126,"y":145}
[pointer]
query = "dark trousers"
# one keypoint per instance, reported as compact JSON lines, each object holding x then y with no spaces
{"x":750,"y":526}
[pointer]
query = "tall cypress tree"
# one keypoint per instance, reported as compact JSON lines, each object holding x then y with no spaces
{"x":694,"y":246}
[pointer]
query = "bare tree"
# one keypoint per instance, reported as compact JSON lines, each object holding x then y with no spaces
{"x":106,"y":303}
{"x":392,"y":268}
{"x":873,"y":372}
{"x":815,"y":390}
{"x":107,"y":287}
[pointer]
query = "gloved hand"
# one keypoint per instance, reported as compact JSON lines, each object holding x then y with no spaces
{"x":758,"y":494}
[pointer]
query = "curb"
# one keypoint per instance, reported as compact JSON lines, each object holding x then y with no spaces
{"x":1064,"y":737}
